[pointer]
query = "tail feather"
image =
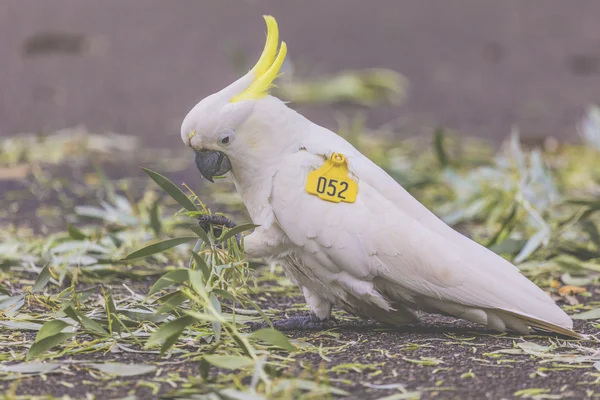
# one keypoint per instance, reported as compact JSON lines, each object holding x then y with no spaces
{"x":501,"y":320}
{"x":545,"y":325}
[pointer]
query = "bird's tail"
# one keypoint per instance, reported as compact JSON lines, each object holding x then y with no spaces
{"x":542,"y":325}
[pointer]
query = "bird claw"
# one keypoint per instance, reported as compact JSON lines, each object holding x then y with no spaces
{"x":298,"y":323}
{"x":217,"y":222}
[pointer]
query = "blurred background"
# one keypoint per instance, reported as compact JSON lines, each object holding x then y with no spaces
{"x":137,"y":66}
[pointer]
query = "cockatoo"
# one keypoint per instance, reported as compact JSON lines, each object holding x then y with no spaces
{"x":346,"y":232}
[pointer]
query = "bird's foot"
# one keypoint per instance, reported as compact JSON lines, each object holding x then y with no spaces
{"x":218,"y":222}
{"x":307,"y":323}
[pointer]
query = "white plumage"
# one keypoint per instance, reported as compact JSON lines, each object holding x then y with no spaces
{"x":381,"y":256}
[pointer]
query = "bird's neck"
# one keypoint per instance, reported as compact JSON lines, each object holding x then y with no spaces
{"x":253,"y":171}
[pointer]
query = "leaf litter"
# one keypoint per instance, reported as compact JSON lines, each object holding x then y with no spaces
{"x":114,"y":286}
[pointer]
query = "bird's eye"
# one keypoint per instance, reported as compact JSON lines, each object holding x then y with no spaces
{"x":225,"y":138}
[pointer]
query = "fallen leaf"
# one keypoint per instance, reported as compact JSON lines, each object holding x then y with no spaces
{"x":15,"y":173}
{"x":570,"y":290}
{"x":123,"y":369}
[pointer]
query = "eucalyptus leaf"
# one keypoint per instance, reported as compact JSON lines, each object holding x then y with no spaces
{"x":42,"y":280}
{"x":46,"y":344}
{"x":532,"y":245}
{"x":592,"y":314}
{"x":12,"y":302}
{"x":114,"y":323}
{"x":201,"y":264}
{"x":155,"y":223}
{"x":238,"y":229}
{"x":506,"y":227}
{"x":568,"y":279}
{"x":86,"y":322}
{"x":233,"y":394}
{"x":216,"y":304}
{"x":158,"y":247}
{"x":171,"y":303}
{"x":201,"y":233}
{"x":168,"y":279}
{"x":440,"y":149}
{"x":229,"y":362}
{"x":169,"y":329}
{"x":51,"y":328}
{"x":75,"y":233}
{"x":30,"y":368}
{"x":119,"y":369}
{"x":197,"y":281}
{"x":273,"y":337}
{"x":21,"y":325}
{"x":173,"y":190}
{"x":304,"y":384}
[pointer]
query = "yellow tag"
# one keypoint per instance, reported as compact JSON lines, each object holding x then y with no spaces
{"x":331,"y":182}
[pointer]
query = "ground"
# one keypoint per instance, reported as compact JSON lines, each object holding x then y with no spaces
{"x":109,"y":205}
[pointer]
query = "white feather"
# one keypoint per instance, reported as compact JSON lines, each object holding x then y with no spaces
{"x":389,"y":235}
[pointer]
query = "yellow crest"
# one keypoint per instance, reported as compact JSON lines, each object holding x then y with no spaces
{"x":266,"y":69}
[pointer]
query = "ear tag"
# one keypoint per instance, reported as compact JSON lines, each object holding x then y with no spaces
{"x":331,"y":181}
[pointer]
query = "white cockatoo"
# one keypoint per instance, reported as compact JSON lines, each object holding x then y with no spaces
{"x":341,"y":227}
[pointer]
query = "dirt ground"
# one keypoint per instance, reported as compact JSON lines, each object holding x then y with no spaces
{"x":136,"y":67}
{"x":439,"y":358}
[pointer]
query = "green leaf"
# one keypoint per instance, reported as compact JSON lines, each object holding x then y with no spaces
{"x":274,"y":337}
{"x":440,"y":150}
{"x":233,"y":394}
{"x":529,"y":393}
{"x":197,"y":281}
{"x":119,"y":369}
{"x":141,"y":315}
{"x":158,"y":247}
{"x":168,"y":279}
{"x":201,"y":264}
{"x":46,"y":344}
{"x":114,"y":323}
{"x":75,"y":233}
{"x":51,"y":328}
{"x":86,"y":322}
{"x":568,"y":279}
{"x":172,"y":302}
{"x":201,"y":234}
{"x":225,"y":294}
{"x":202,"y":316}
{"x":169,"y":330}
{"x":310,"y":386}
{"x":592,"y":314}
{"x":21,"y":325}
{"x":13,"y":302}
{"x":30,"y":368}
{"x":229,"y":362}
{"x":173,"y":190}
{"x":216,"y":304}
{"x":42,"y":280}
{"x":91,"y":212}
{"x":238,"y":229}
{"x":155,"y":223}
{"x":532,"y":245}
{"x":169,"y":342}
{"x":507,"y":226}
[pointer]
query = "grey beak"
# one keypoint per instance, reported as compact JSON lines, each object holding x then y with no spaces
{"x":212,"y":163}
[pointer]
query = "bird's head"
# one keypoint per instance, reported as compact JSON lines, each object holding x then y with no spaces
{"x":241,"y":127}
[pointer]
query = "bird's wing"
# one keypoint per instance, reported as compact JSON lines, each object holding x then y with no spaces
{"x":389,"y":235}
